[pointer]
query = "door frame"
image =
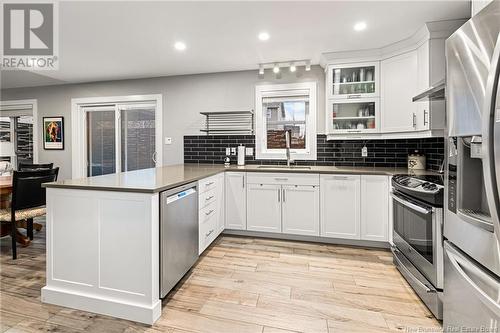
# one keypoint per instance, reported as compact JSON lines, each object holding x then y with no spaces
{"x":78,"y":167}
{"x":34,"y":108}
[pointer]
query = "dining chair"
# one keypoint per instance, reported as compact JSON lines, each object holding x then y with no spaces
{"x":31,"y":166}
{"x":28,"y":200}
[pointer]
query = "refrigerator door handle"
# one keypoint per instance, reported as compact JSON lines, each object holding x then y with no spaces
{"x":457,"y":261}
{"x":490,"y":135}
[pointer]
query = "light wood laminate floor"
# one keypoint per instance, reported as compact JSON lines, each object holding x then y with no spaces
{"x":239,"y":285}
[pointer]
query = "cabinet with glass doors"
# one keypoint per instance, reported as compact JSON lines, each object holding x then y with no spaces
{"x":353,"y":81}
{"x":353,"y":116}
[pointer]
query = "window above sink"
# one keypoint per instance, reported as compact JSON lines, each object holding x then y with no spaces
{"x":281,"y":108}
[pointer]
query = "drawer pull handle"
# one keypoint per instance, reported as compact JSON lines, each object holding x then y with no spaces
{"x":354,"y":96}
{"x":209,"y":233}
{"x":281,"y":179}
{"x":208,"y":184}
{"x":209,"y":198}
{"x":209,"y":212}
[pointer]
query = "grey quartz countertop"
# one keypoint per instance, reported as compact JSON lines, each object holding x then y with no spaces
{"x":163,"y":178}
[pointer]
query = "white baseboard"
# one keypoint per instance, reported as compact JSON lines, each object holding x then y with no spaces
{"x":135,"y":312}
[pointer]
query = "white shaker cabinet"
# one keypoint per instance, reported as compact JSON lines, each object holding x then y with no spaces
{"x":300,"y":209}
{"x":398,"y":87}
{"x":221,"y":219}
{"x":423,"y":83}
{"x":375,"y":208}
{"x":236,"y":201}
{"x":340,"y":203}
{"x":264,"y":207}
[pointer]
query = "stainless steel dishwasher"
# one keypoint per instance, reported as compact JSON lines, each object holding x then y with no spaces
{"x":178,"y":234}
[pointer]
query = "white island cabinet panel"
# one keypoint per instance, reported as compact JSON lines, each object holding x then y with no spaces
{"x":340,"y":203}
{"x":116,"y":226}
{"x":103,"y":252}
{"x":236,"y":201}
{"x":264,"y":207}
{"x":375,"y":208}
{"x":66,"y":247}
{"x":301,"y":209}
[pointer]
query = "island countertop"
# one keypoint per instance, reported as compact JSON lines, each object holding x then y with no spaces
{"x":163,"y":178}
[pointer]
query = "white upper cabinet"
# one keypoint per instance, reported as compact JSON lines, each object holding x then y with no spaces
{"x":375,"y":208}
{"x":236,"y":201}
{"x":340,"y":202}
{"x":423,"y":81}
{"x":350,"y":81}
{"x":300,"y":209}
{"x":431,"y":70}
{"x":402,"y":70}
{"x":264,"y":207}
{"x":398,"y":87}
{"x":353,"y":116}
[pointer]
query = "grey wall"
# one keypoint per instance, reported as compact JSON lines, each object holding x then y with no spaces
{"x":183,"y":98}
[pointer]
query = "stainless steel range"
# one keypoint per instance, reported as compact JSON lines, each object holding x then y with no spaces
{"x":417,"y":236}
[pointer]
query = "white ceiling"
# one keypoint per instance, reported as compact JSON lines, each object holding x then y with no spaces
{"x":120,"y":40}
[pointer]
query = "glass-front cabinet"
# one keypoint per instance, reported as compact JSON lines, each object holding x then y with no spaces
{"x":353,"y":116}
{"x":358,"y":80}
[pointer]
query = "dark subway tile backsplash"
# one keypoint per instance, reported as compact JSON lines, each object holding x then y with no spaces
{"x":381,"y":153}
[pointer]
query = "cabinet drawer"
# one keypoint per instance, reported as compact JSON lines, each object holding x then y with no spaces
{"x":208,"y":212}
{"x":282,"y":178}
{"x":207,"y":198}
{"x":207,"y":233}
{"x":207,"y":184}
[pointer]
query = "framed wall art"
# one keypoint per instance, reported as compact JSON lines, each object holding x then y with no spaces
{"x":53,"y":133}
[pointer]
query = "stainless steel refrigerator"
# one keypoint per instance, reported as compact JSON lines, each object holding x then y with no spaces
{"x":471,"y":298}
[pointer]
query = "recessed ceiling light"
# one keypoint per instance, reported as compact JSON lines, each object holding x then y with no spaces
{"x":180,"y":46}
{"x":360,"y":26}
{"x":264,"y":36}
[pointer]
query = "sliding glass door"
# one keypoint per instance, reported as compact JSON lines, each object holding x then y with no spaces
{"x":120,"y":137}
{"x":137,"y":125}
{"x":101,"y":140}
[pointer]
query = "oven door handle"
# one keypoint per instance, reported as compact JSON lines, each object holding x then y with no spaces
{"x":411,"y":205}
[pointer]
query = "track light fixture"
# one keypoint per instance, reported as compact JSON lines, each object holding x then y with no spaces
{"x":308,"y":65}
{"x":292,"y":66}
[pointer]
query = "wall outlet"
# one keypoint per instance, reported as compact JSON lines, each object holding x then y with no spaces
{"x":168,"y":141}
{"x":233,"y":151}
{"x":228,"y":151}
{"x":249,"y":151}
{"x":364,"y":151}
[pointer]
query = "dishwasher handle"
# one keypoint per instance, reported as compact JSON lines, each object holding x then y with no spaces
{"x":179,"y":195}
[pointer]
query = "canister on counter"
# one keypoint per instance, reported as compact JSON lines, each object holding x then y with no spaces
{"x":416,"y":161}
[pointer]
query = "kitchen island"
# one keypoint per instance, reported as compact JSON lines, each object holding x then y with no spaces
{"x":103,"y":249}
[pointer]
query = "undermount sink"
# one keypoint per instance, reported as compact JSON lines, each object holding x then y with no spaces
{"x":284,"y":167}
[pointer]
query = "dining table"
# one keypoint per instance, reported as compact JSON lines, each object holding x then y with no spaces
{"x":5,"y":203}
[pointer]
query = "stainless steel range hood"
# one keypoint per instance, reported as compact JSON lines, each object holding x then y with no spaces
{"x":434,"y":93}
